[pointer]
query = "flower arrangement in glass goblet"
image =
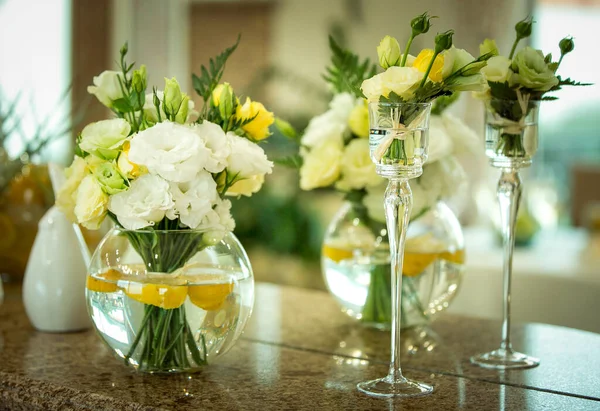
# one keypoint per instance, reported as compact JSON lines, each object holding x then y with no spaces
{"x":515,"y":86}
{"x":161,"y":171}
{"x":400,"y":101}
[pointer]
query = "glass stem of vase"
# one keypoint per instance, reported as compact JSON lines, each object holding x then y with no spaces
{"x":397,"y":204}
{"x":509,"y":197}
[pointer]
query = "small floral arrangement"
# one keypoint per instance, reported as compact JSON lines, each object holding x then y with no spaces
{"x":162,"y":165}
{"x":515,"y":84}
{"x":334,"y":154}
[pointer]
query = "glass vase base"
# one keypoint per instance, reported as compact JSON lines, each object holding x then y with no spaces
{"x":502,"y":359}
{"x":388,"y":388}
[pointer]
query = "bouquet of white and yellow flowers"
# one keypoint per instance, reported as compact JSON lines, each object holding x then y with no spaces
{"x":514,"y":87}
{"x":161,"y":165}
{"x":334,"y":150}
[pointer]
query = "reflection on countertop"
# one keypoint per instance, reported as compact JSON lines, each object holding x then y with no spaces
{"x":299,"y":352}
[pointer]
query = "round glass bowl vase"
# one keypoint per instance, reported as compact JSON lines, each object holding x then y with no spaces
{"x":169,"y":301}
{"x":355,"y":261}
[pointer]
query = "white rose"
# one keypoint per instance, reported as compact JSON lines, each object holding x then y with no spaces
{"x":152,"y":115}
{"x":497,"y":69}
{"x":171,"y":150}
{"x":322,"y":165}
{"x":90,"y":203}
{"x":440,"y":143}
{"x":401,"y":80}
{"x":342,"y":105}
{"x":247,"y":186}
{"x":107,"y":87}
{"x":104,"y":138}
{"x":193,"y":200}
{"x":144,"y":204}
{"x":218,"y":144}
{"x":358,"y":171}
{"x":327,"y":126}
{"x":246,"y":158}
{"x":442,"y":179}
{"x":463,"y":137}
{"x":65,"y":200}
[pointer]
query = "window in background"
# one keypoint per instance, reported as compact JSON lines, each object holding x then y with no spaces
{"x":570,"y":126}
{"x":35,"y":65}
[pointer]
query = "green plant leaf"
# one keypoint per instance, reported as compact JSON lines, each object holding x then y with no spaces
{"x":209,"y":78}
{"x":347,"y":72}
{"x":293,"y":161}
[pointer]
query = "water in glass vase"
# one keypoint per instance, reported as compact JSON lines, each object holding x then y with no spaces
{"x":360,"y":281}
{"x":188,"y":320}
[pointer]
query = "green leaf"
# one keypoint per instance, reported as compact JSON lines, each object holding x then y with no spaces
{"x":209,"y":78}
{"x":122,"y":105}
{"x":293,"y":161}
{"x":286,"y":129}
{"x":355,"y":196}
{"x":346,"y":72}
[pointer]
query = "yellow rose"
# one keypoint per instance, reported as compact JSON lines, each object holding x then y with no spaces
{"x":322,"y":165}
{"x":66,"y":198}
{"x":358,"y":171}
{"x":90,"y":203}
{"x":359,"y":120}
{"x":216,"y":94}
{"x":258,"y":129}
{"x":247,"y":186}
{"x":422,"y":63}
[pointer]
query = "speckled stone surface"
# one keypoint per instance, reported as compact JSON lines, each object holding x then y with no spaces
{"x":289,"y":366}
{"x":570,"y":359}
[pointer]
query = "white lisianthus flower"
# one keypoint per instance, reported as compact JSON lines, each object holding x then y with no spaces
{"x":246,"y":158}
{"x":532,"y":71}
{"x":218,"y":221}
{"x":464,"y":139}
{"x":171,"y":150}
{"x":247,"y":186}
{"x":358,"y":171}
{"x":322,"y":165}
{"x":455,"y":59}
{"x":144,"y":204}
{"x":193,"y":200}
{"x":341,"y":106}
{"x":90,"y":203}
{"x":65,"y":199}
{"x":107,"y":87}
{"x":401,"y":80}
{"x":104,"y":138}
{"x":327,"y":126}
{"x":497,"y":69}
{"x":152,"y":115}
{"x":440,"y":143}
{"x":217,"y":143}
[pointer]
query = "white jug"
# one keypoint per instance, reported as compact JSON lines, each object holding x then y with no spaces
{"x":54,"y":283}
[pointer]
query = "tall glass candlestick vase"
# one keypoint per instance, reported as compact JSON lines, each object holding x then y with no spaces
{"x":511,"y":140}
{"x":398,"y":145}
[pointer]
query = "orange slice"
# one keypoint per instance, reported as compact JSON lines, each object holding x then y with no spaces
{"x":159,"y":295}
{"x":336,"y":254}
{"x":457,"y":257}
{"x":209,"y":297}
{"x":415,"y":263}
{"x":106,"y":283}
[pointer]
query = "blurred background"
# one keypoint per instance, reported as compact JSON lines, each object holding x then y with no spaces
{"x":51,"y":49}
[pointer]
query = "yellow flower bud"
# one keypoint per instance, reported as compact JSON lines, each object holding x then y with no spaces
{"x":258,"y":128}
{"x":359,"y":120}
{"x":422,"y":62}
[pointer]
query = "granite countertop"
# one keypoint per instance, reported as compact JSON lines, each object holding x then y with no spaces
{"x":300,"y":352}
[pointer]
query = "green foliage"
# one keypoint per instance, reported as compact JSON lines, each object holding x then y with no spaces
{"x":210,"y":77}
{"x":442,"y":103}
{"x":293,"y":161}
{"x":347,"y":72}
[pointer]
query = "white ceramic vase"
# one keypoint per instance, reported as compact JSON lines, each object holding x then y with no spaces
{"x":54,"y":283}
